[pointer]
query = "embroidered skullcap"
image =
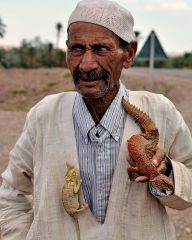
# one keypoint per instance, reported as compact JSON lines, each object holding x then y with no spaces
{"x":106,"y":13}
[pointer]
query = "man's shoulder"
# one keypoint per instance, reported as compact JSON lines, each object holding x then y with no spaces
{"x":149,"y":98}
{"x":156,"y":105}
{"x":55,"y":99}
{"x":52,"y":104}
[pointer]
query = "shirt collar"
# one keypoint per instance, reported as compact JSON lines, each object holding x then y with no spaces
{"x":111,"y":120}
{"x":82,"y":116}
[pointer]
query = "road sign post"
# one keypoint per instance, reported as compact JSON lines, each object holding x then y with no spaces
{"x":151,"y":61}
{"x":152,"y":51}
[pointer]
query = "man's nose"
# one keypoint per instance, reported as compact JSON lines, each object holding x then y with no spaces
{"x":88,"y":62}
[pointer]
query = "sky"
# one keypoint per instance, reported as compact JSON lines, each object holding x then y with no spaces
{"x":171,"y":20}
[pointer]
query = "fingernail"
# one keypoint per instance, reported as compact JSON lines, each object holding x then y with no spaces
{"x":155,"y":162}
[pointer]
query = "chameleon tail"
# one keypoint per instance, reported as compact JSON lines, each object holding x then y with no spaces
{"x":75,"y":218}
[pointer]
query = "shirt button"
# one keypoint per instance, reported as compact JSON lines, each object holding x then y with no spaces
{"x":116,"y":138}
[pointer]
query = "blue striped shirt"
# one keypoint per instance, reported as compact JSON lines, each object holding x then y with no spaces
{"x":98,"y":148}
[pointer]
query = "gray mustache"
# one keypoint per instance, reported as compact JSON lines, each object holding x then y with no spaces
{"x":89,"y":76}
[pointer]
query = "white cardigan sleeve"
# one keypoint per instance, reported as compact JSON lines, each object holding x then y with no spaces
{"x":180,"y":152}
{"x":16,"y":190}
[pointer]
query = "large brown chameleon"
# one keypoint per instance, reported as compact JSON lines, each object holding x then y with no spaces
{"x":70,"y":195}
{"x":142,"y":148}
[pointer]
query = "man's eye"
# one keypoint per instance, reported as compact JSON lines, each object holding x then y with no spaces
{"x":101,"y":49}
{"x":76,"y":51}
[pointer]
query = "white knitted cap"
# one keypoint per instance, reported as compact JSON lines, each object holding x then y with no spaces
{"x":106,"y":13}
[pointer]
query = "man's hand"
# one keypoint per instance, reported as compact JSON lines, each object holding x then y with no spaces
{"x":159,"y":160}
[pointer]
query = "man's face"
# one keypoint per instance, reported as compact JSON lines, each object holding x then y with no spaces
{"x":94,"y":58}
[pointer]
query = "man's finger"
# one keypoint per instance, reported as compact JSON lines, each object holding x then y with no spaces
{"x":159,"y":156}
{"x":142,"y":179}
{"x":155,"y":162}
{"x":162,"y":167}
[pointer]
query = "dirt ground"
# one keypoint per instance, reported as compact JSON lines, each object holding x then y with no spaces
{"x":21,"y":89}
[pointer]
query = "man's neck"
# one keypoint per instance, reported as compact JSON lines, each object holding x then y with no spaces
{"x":98,"y":106}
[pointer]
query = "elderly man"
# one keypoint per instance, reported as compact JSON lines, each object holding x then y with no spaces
{"x":88,"y":130}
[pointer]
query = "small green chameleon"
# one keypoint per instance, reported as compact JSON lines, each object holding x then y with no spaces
{"x":70,"y":195}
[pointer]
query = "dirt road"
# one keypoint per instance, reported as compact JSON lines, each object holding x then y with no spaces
{"x":11,"y":122}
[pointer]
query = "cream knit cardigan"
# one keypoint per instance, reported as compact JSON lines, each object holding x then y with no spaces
{"x":37,"y":165}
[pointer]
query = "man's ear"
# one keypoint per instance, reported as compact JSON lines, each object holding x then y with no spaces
{"x":67,"y":42}
{"x":130,"y":53}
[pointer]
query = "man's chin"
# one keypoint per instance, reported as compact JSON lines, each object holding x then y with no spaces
{"x":92,"y":89}
{"x":92,"y":93}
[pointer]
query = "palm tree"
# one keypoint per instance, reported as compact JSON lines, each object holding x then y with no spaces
{"x":59,"y":28}
{"x":137,"y":35}
{"x":2,"y":28}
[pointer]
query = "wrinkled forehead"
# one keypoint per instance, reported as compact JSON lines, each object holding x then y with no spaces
{"x":89,"y":34}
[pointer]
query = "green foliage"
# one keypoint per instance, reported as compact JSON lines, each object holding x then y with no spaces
{"x":184,"y":61}
{"x":2,"y":28}
{"x":59,"y":28}
{"x":33,"y":54}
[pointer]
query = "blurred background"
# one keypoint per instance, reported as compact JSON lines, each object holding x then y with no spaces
{"x":33,"y":63}
{"x":37,"y":28}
